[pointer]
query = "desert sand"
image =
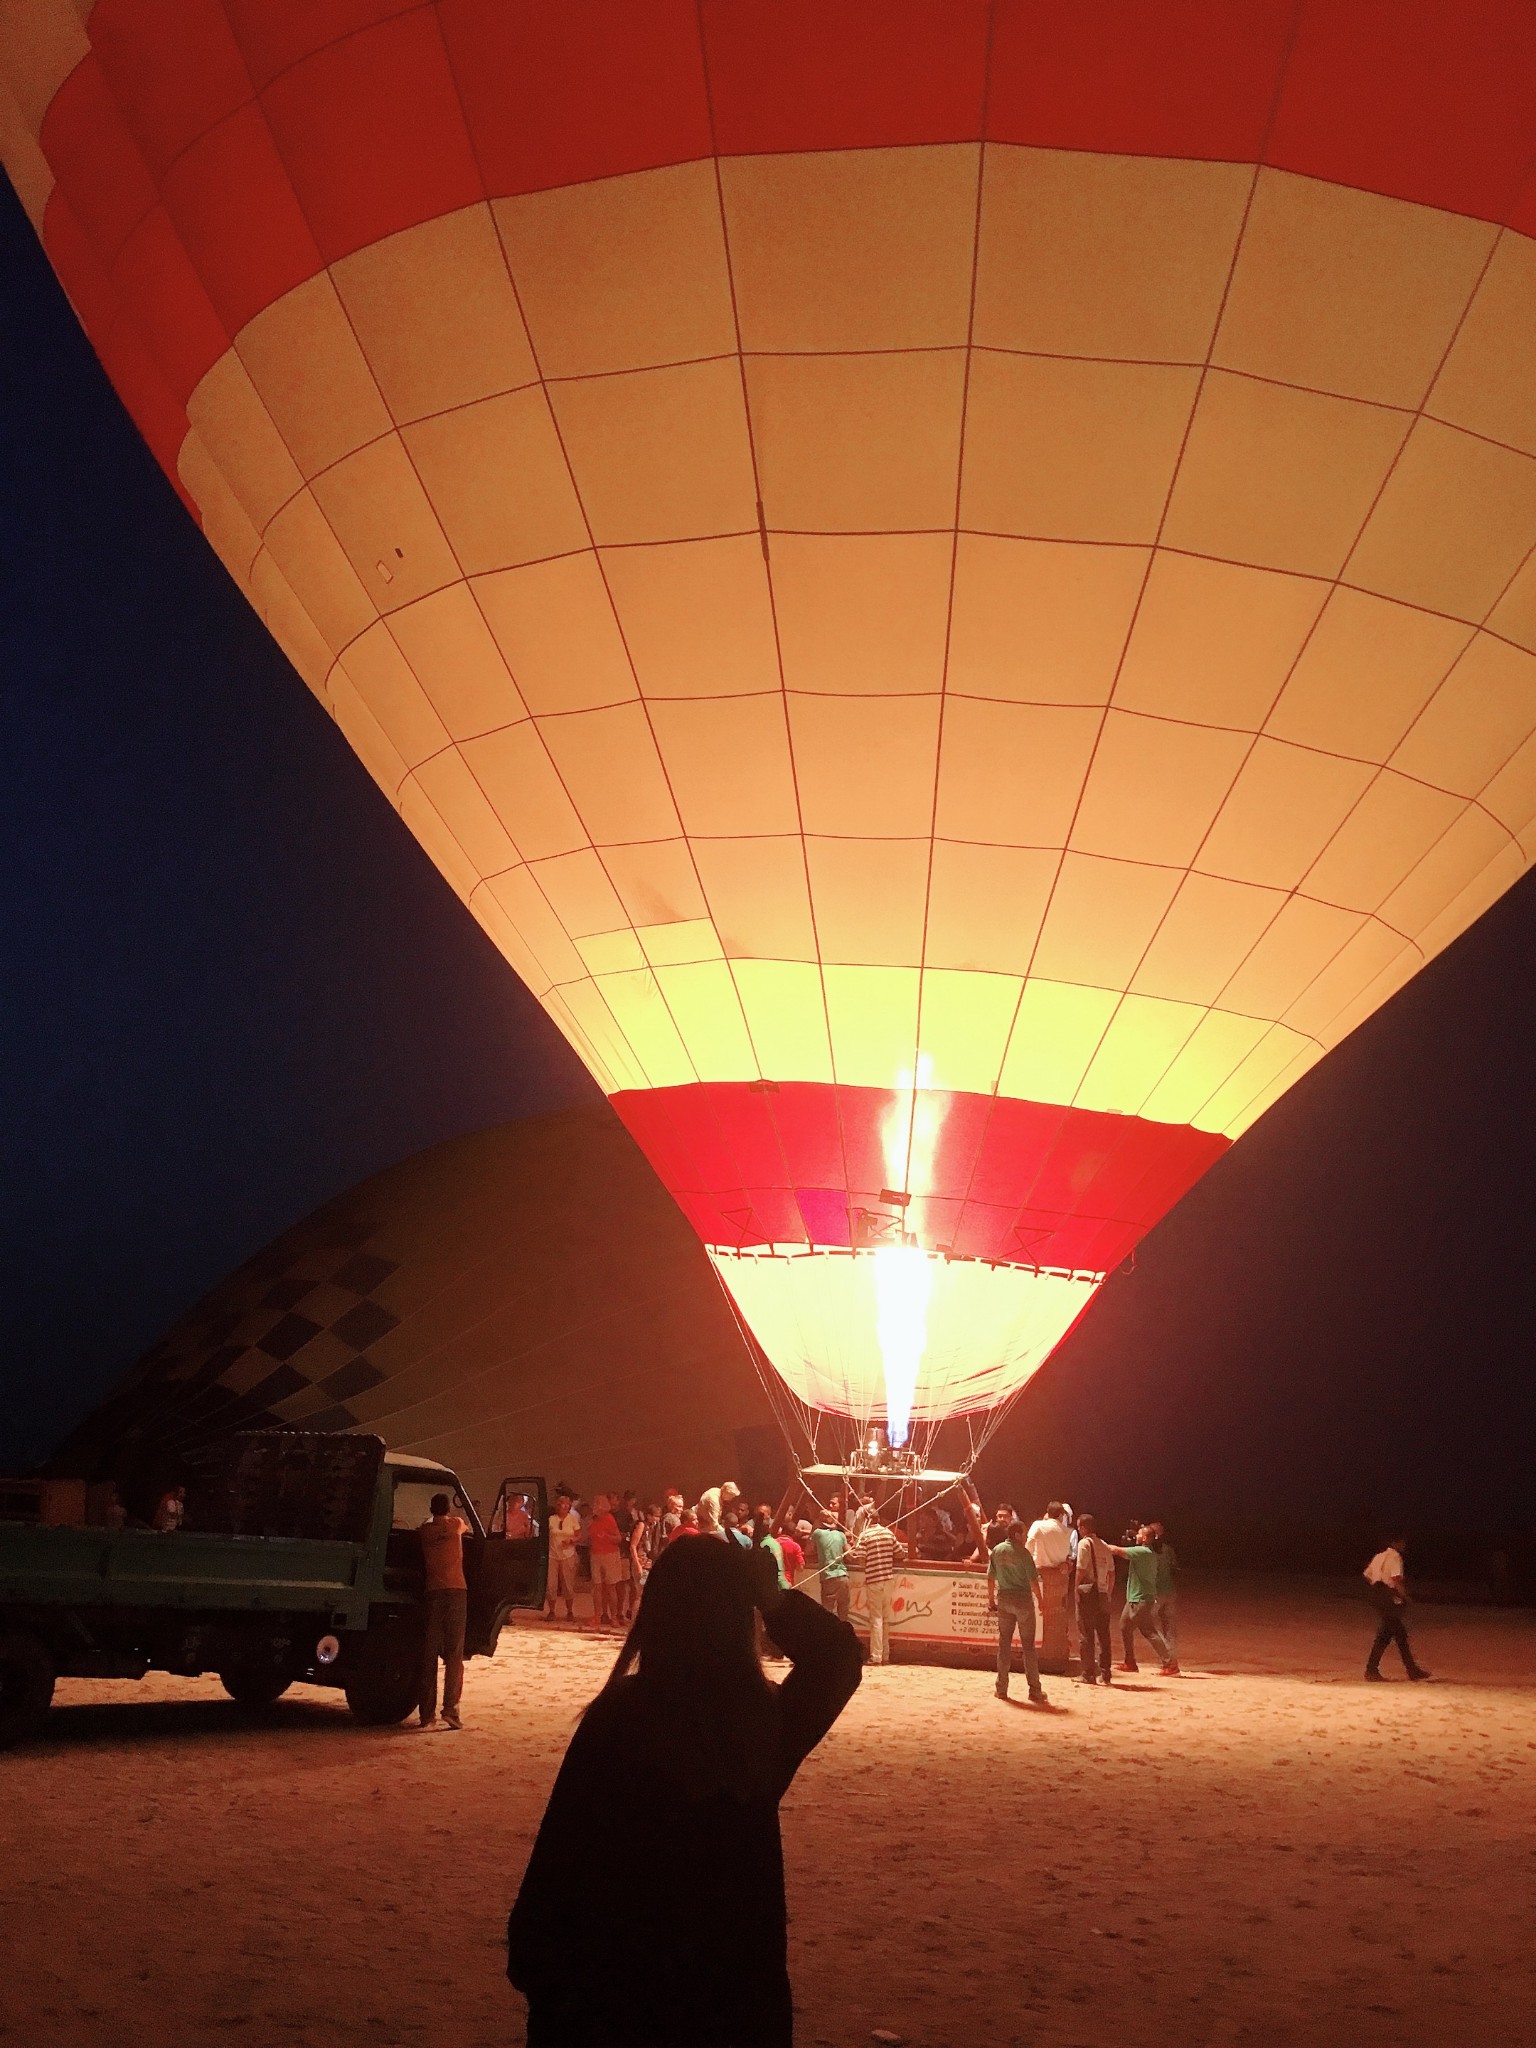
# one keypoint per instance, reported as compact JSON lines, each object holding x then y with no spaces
{"x":1265,"y":1851}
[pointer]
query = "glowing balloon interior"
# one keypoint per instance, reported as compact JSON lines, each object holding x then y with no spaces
{"x":951,"y":582}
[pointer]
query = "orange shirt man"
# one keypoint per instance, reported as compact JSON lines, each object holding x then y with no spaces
{"x":442,"y":1553}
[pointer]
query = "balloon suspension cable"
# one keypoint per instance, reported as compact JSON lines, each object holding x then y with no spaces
{"x":800,"y":1424}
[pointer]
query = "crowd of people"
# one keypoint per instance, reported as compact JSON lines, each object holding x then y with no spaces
{"x":1059,"y":1562}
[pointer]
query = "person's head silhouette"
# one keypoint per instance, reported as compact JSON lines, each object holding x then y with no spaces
{"x":691,"y":1668}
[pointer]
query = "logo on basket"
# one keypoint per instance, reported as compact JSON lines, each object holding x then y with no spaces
{"x":905,"y":1607}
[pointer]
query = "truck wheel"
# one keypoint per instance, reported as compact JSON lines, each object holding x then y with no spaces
{"x":384,"y":1687}
{"x":256,"y":1683}
{"x":26,"y":1687}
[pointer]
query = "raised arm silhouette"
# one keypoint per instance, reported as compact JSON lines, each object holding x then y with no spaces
{"x":683,"y":1756}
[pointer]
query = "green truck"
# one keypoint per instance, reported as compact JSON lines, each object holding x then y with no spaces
{"x":297,"y":1562}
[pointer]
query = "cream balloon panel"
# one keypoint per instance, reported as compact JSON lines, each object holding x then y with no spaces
{"x":1232,"y":788}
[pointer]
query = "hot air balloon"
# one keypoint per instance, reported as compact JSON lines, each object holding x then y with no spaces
{"x":950,"y":580}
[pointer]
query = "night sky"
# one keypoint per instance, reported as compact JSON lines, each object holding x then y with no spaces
{"x":233,"y":986}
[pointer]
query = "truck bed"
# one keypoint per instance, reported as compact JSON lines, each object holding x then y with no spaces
{"x":143,"y":1568}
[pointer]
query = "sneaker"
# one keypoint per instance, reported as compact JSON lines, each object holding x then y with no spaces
{"x":451,"y":1719}
{"x":1419,"y":1672}
{"x":1168,"y":1671}
{"x":1087,"y":1679}
{"x":1375,"y":1678}
{"x":1107,"y":1679}
{"x":1127,"y":1667}
{"x":1038,"y":1699}
{"x":427,"y":1721}
{"x":1001,"y":1691}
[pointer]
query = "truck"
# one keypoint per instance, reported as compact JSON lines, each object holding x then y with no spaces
{"x":297,"y":1561}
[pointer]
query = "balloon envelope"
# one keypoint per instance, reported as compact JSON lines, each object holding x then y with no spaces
{"x":949,"y":582}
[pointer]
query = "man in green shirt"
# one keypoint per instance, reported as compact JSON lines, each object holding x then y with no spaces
{"x":829,"y":1546}
{"x":1140,"y":1616}
{"x":1012,"y":1581}
{"x":1167,"y":1589}
{"x":764,"y":1539}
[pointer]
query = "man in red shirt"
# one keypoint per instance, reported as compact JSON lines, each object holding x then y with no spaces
{"x":607,"y":1562}
{"x":442,"y":1552}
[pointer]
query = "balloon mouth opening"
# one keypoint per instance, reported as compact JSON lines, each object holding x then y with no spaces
{"x":896,"y":1336}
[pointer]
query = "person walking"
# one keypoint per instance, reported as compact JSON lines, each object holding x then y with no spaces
{"x":1140,"y":1615}
{"x":689,"y":1744}
{"x":1387,"y":1590}
{"x":1123,"y":1582}
{"x":442,"y":1553}
{"x":1095,"y":1594}
{"x":1167,"y":1588}
{"x":879,"y":1553}
{"x":1013,"y":1580}
{"x":829,"y":1546}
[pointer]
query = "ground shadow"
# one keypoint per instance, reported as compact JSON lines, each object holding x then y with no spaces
{"x":99,"y":1724}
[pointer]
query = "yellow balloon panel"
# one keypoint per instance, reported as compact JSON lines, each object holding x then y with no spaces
{"x":797,"y":689}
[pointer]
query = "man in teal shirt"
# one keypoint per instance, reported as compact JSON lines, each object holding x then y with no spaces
{"x":830,"y":1545}
{"x":1140,"y":1614}
{"x":1167,"y":1589}
{"x":1011,"y":1584}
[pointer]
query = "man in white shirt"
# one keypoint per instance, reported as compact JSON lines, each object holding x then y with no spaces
{"x":564,"y":1528}
{"x":1049,"y":1543}
{"x":1388,"y":1594}
{"x":1095,"y":1598}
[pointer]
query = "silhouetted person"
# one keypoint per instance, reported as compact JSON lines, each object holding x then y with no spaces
{"x":688,"y":1745}
{"x":1387,"y":1591}
{"x":442,"y":1551}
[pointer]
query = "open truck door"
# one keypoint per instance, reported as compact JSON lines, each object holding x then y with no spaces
{"x":511,"y":1566}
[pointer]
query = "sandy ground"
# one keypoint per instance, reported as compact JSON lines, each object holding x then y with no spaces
{"x":1266,"y":1851}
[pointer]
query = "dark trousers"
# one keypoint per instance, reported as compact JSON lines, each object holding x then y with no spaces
{"x":1093,"y":1632}
{"x":1140,"y":1617}
{"x":834,"y":1596}
{"x":1390,"y":1628}
{"x":443,"y":1636}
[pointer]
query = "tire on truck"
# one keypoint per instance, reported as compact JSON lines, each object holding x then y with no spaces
{"x":383,"y":1677}
{"x":26,"y":1687}
{"x":257,"y":1679}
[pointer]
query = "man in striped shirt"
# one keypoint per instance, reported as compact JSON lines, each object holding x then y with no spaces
{"x":879,"y":1554}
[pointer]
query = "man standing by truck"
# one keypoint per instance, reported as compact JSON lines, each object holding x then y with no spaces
{"x":442,"y":1550}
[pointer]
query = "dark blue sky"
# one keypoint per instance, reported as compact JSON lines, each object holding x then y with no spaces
{"x":231,"y":985}
{"x":231,"y":982}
